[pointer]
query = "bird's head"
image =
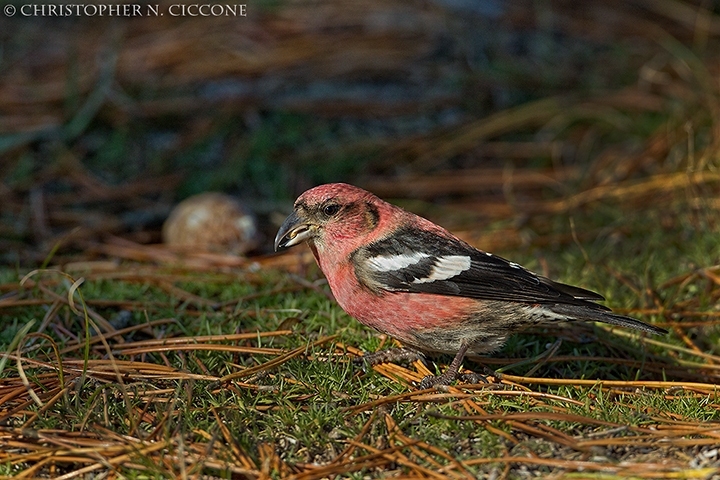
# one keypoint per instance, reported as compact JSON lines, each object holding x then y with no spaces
{"x":336,"y":212}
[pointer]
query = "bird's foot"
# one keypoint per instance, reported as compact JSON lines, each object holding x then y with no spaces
{"x":449,"y":377}
{"x":434,"y":380}
{"x":473,"y":378}
{"x":403,"y":355}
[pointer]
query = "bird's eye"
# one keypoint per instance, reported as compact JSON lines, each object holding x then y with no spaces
{"x":331,"y":209}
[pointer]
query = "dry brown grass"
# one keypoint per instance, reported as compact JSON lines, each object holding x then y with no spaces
{"x":47,"y":377}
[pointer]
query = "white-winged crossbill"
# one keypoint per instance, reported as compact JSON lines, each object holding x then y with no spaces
{"x":415,"y":281}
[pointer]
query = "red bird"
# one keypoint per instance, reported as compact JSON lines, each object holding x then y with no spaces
{"x":409,"y":278}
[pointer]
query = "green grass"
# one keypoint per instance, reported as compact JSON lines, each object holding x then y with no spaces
{"x":303,"y":408}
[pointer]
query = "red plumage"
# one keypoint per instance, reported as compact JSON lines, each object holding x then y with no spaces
{"x":412,"y":279}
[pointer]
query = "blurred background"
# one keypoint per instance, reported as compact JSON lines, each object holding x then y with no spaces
{"x":499,"y":119}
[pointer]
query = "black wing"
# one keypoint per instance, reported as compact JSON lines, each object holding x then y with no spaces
{"x":414,"y":260}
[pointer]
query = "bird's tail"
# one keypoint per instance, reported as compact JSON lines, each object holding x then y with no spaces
{"x":592,"y":315}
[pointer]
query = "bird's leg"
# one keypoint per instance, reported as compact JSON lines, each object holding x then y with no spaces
{"x":449,"y":375}
{"x":404,"y":355}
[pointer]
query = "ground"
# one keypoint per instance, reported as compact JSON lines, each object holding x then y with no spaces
{"x":581,"y":145}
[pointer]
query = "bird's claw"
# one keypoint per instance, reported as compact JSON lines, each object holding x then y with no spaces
{"x":404,"y":355}
{"x":436,"y":380}
{"x":362,"y":363}
{"x":473,"y":378}
{"x":449,"y":377}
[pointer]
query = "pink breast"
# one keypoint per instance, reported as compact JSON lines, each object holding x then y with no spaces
{"x":398,"y":313}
